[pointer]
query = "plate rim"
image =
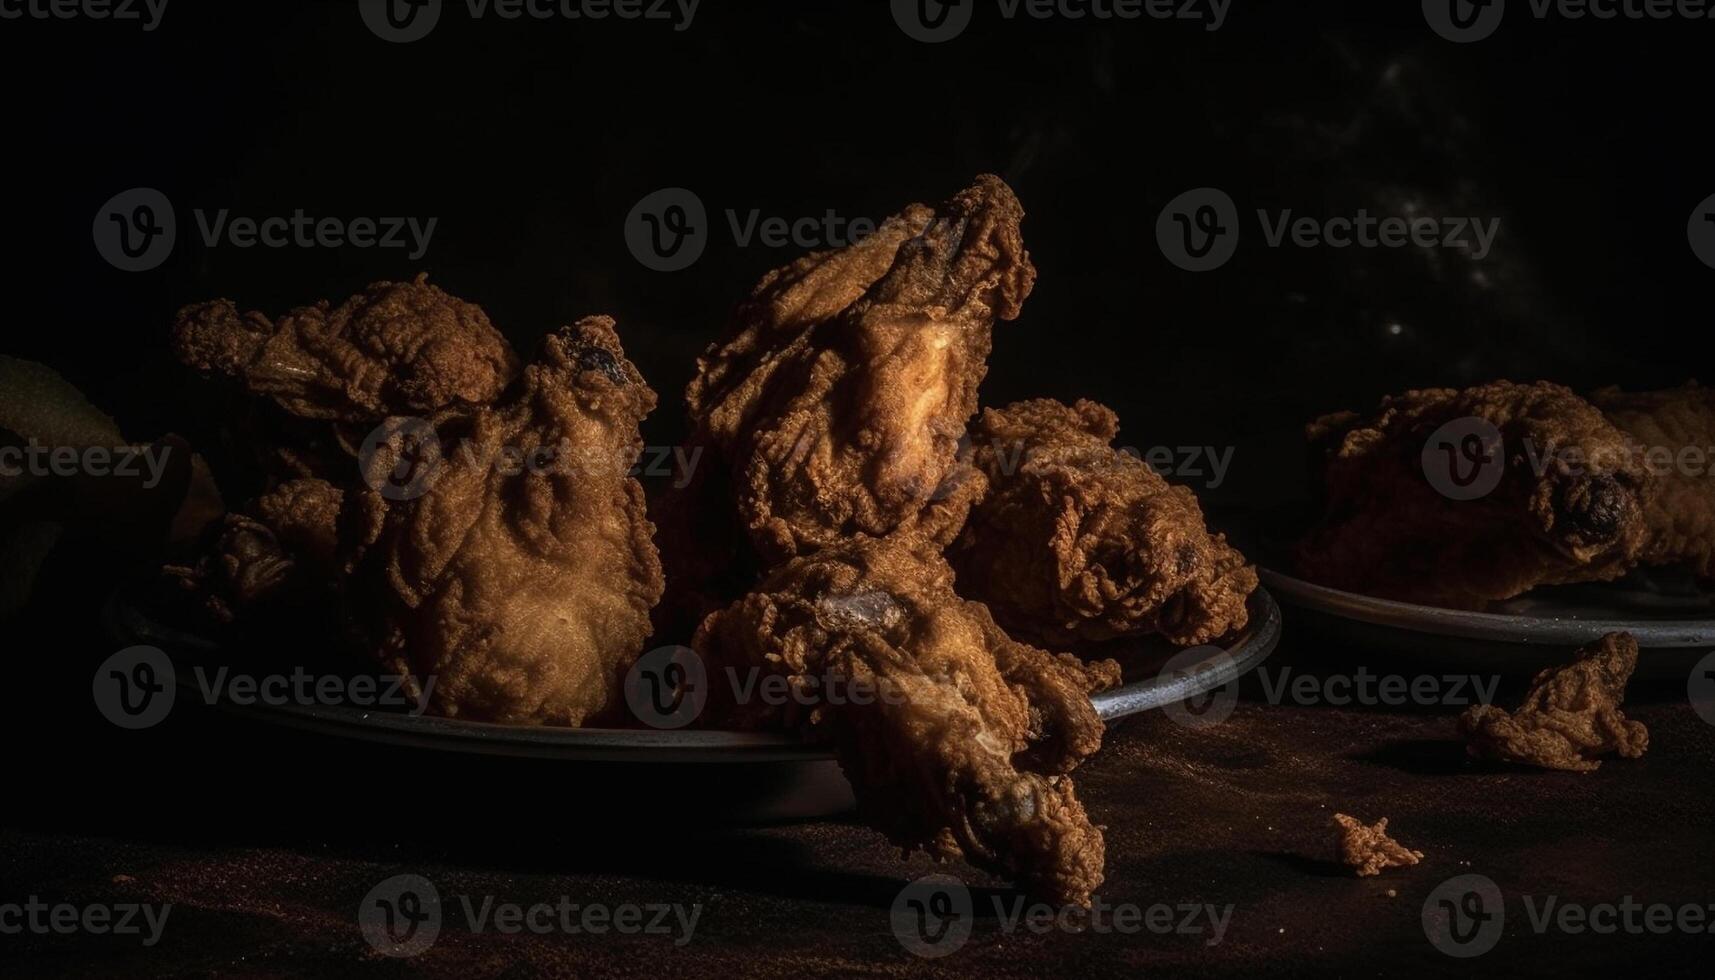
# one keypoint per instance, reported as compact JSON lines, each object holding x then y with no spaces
{"x":1486,"y":626}
{"x":128,"y":623}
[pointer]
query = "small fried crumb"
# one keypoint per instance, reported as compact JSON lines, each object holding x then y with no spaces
{"x":1370,"y":849}
{"x":1570,"y":716}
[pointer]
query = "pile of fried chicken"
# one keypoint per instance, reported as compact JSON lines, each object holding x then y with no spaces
{"x":855,"y":517}
{"x":1462,"y":498}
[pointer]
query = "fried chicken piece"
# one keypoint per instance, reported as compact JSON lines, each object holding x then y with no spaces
{"x":1570,"y":716}
{"x":1568,"y":503}
{"x":839,"y":398}
{"x":397,"y":348}
{"x":283,"y":547}
{"x":1369,"y":849}
{"x":1676,"y":428}
{"x":964,"y":746}
{"x":513,"y":561}
{"x":1077,"y":541}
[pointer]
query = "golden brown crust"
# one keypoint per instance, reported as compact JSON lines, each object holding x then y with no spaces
{"x":282,"y":549}
{"x":838,"y":401}
{"x":523,"y":577}
{"x":1570,"y":716}
{"x":965,"y":750}
{"x":1078,"y":541}
{"x":397,"y":348}
{"x":1367,"y":850}
{"x":1568,"y":506}
{"x":305,"y":516}
{"x":1676,"y":429}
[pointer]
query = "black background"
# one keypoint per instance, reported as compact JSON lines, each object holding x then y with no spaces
{"x":530,"y":142}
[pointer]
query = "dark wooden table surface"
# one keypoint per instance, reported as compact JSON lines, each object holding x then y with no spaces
{"x":265,"y":843}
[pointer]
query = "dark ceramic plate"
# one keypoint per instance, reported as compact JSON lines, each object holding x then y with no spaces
{"x":1147,"y":687}
{"x":1672,"y":619}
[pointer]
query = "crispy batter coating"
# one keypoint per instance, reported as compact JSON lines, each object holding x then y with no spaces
{"x":1078,"y":541}
{"x":965,"y":749}
{"x":1369,"y":849}
{"x":523,"y":575}
{"x":397,"y":348}
{"x":1568,"y":507}
{"x":839,"y":398}
{"x":1676,"y":428}
{"x":1570,"y":716}
{"x":283,"y":547}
